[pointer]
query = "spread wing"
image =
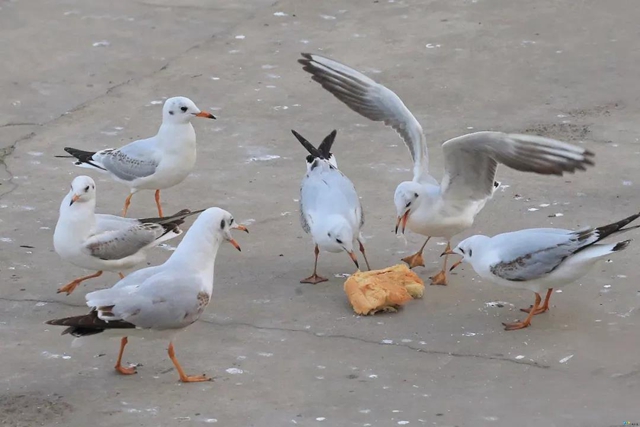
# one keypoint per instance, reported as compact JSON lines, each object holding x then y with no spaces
{"x":471,"y":161}
{"x":373,"y":101}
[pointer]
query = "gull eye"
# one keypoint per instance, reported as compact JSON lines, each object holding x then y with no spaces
{"x":184,"y":109}
{"x":339,"y":241}
{"x":329,"y":234}
{"x":86,"y":188}
{"x":462,"y":250}
{"x":231,"y":221}
{"x":222,"y":224}
{"x":407,"y":205}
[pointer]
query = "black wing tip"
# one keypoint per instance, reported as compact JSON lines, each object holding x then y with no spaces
{"x":621,"y":245}
{"x":307,"y":145}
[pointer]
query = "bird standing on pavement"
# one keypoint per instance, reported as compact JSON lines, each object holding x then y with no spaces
{"x":540,"y":259}
{"x":160,"y":301}
{"x":155,"y":163}
{"x":106,"y":242}
{"x":330,"y":209}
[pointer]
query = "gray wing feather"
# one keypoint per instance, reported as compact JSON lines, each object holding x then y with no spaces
{"x":119,"y":244}
{"x":373,"y":101}
{"x":125,"y":166}
{"x":471,"y":161}
{"x":166,"y":300}
{"x":534,"y":253}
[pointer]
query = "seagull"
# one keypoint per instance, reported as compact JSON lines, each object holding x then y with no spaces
{"x":329,"y":206}
{"x":160,"y":301}
{"x":155,"y":163}
{"x":447,"y":208}
{"x":105,"y":242}
{"x":539,"y":258}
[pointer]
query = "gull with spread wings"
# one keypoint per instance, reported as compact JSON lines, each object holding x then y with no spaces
{"x":106,"y":242}
{"x":155,"y":163}
{"x":447,"y":208}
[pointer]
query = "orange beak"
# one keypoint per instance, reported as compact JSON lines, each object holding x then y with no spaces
{"x":353,"y":257}
{"x":241,"y":227}
{"x":235,"y":244}
{"x":455,"y":265}
{"x":205,"y":115}
{"x":74,"y":199}
{"x":449,"y":252}
{"x":403,"y":219}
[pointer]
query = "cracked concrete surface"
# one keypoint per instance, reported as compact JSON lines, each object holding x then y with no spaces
{"x":283,"y":353}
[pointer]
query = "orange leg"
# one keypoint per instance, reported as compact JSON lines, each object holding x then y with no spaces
{"x":127,"y":202}
{"x":314,"y":278}
{"x":364,"y":255}
{"x":416,"y":259}
{"x":158,"y":203}
{"x":121,"y":275}
{"x":184,"y":377}
{"x":68,"y":288}
{"x":441,"y":277}
{"x":527,"y":321}
{"x":124,"y":371}
{"x":545,"y":305}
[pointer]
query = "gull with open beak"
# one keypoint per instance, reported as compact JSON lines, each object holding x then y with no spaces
{"x":539,"y":259}
{"x":330,"y":209}
{"x":155,"y":163}
{"x":443,"y":209}
{"x":102,"y":242}
{"x":158,"y":302}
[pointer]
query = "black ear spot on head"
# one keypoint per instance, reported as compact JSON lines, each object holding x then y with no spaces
{"x":415,"y":194}
{"x":171,"y":112}
{"x":184,"y":109}
{"x":470,"y":252}
{"x":222,"y":224}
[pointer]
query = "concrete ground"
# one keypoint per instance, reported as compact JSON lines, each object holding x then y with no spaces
{"x":92,"y":74}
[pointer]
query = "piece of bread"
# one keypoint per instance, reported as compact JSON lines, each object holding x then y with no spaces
{"x":382,"y":290}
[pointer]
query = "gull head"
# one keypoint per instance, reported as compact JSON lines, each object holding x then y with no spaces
{"x":221,"y":223}
{"x":406,"y":198}
{"x":83,"y":189}
{"x":337,"y":237}
{"x":180,"y":109}
{"x":470,"y":249}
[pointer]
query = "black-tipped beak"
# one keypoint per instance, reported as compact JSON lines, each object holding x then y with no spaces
{"x":455,"y":265}
{"x":241,"y":227}
{"x":449,"y":252}
{"x":74,"y":199}
{"x":403,"y":220}
{"x":205,"y":115}
{"x":235,"y":244}
{"x":353,"y":257}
